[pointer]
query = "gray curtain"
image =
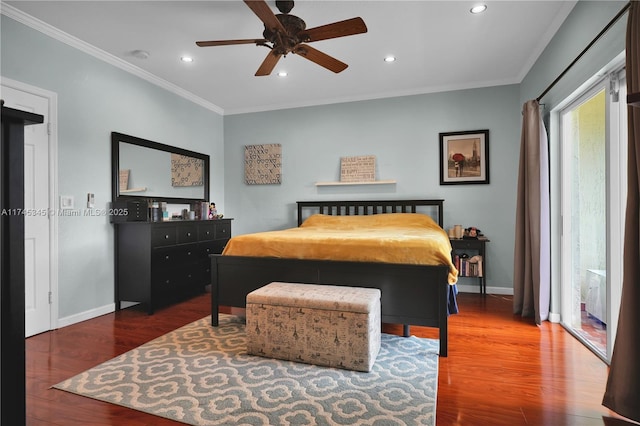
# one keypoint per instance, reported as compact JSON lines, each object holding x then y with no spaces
{"x":622,"y":394}
{"x":531,"y":276}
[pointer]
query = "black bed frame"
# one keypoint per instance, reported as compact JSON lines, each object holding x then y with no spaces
{"x":411,"y":294}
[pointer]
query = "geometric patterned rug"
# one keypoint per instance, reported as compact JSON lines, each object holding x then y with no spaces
{"x":202,"y":375}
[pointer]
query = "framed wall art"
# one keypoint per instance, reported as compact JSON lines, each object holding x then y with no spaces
{"x":464,"y":157}
{"x":263,"y":164}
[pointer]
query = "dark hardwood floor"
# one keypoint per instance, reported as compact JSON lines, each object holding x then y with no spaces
{"x":501,"y":369}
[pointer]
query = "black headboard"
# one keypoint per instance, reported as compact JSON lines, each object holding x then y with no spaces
{"x":346,"y":208}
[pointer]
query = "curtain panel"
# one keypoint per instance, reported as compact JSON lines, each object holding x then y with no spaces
{"x":623,"y":385}
{"x":532,"y":282}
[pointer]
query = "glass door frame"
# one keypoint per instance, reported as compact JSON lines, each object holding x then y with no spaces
{"x":615,"y":157}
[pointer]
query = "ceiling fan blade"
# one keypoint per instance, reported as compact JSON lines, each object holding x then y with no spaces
{"x":337,"y":29}
{"x":266,"y":15}
{"x":268,"y":64}
{"x":320,"y":58}
{"x":230,"y":42}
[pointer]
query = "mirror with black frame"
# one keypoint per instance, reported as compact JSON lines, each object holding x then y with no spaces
{"x":143,"y":169}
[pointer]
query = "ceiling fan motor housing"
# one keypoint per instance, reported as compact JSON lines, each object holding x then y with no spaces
{"x":284,"y":43}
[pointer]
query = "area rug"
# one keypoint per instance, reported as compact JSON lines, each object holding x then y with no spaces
{"x":202,"y":375}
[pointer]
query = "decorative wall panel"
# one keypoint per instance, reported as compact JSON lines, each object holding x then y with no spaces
{"x":263,"y":164}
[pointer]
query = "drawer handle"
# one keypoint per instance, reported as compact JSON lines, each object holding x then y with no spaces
{"x":166,"y":237}
{"x":166,"y":257}
{"x":188,"y":234}
{"x":167,"y":281}
{"x":208,"y":250}
{"x":208,"y":232}
{"x":188,"y":253}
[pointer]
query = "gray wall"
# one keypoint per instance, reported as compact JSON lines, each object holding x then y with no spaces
{"x":403,"y":134}
{"x":583,"y":23}
{"x":94,"y":99}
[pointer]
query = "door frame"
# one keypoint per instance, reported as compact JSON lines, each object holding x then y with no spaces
{"x":52,"y":130}
{"x":615,"y":198}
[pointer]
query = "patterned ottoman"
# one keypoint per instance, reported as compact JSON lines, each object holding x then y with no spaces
{"x":327,"y":325}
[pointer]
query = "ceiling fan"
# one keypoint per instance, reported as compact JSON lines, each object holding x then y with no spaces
{"x":285,"y":33}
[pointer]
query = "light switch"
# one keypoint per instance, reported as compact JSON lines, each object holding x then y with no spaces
{"x":66,"y":202}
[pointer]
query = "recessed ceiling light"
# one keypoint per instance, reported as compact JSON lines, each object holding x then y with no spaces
{"x":389,"y":58}
{"x":282,"y":74}
{"x":479,"y":8}
{"x":140,"y":54}
{"x":186,"y":59}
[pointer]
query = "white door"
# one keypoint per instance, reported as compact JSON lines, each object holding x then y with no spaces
{"x":37,"y":211}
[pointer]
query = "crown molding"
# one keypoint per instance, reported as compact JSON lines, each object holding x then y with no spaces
{"x":55,"y":33}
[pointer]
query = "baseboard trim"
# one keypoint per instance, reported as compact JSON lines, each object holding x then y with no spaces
{"x":553,"y":317}
{"x":86,"y":315}
{"x":466,"y":288}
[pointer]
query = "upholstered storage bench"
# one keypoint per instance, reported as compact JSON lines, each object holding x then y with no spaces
{"x":326,"y":325}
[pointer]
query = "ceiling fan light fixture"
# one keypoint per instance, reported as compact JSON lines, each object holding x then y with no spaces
{"x":478,"y":9}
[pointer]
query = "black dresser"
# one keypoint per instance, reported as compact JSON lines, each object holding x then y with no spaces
{"x":159,"y":263}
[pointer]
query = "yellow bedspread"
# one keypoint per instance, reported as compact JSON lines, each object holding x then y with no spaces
{"x":409,"y":238}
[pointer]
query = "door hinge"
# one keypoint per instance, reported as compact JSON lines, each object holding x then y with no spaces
{"x":50,"y":298}
{"x":614,"y":87}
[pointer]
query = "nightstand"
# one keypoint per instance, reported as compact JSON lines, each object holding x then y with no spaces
{"x":459,"y":245}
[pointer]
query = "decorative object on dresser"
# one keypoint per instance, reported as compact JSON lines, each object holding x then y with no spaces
{"x":464,"y":157}
{"x":412,"y":294}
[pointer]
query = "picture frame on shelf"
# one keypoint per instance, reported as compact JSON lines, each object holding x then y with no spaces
{"x":464,"y":157}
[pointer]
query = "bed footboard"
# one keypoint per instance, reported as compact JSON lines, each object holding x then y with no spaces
{"x":411,"y":294}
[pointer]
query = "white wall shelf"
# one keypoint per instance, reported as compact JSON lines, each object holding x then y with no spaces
{"x":123,"y":191}
{"x":375,"y":182}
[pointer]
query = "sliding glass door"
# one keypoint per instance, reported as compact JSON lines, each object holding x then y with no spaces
{"x":593,"y":141}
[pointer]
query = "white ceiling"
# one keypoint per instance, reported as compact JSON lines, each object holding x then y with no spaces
{"x":439,"y":46}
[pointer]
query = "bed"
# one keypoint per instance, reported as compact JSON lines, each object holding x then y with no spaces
{"x":413,"y":293}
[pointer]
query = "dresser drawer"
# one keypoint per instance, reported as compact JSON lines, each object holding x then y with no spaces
{"x":223,"y":230}
{"x":187,"y":233}
{"x":174,"y":256}
{"x":466,"y":244}
{"x":206,"y":231}
{"x":163,"y":236}
{"x":186,"y":279}
{"x":211,"y":247}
